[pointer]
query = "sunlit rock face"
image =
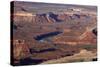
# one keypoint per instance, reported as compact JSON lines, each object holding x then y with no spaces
{"x":21,"y":50}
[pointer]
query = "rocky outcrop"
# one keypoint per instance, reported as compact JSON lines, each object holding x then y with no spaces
{"x":21,"y":50}
{"x":48,"y":17}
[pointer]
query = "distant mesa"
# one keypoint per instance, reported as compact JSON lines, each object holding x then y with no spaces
{"x":54,"y":16}
{"x":76,"y":15}
{"x":50,"y":15}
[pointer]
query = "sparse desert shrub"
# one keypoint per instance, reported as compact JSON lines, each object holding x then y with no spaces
{"x":88,"y":46}
{"x":76,"y":60}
